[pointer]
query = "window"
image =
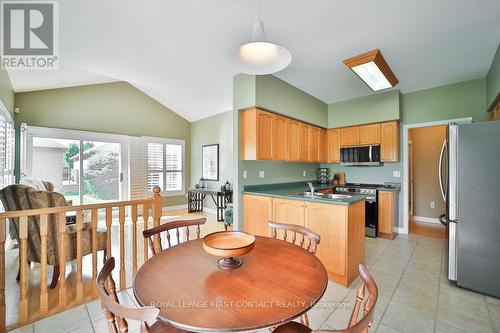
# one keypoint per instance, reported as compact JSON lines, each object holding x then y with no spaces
{"x":166,"y":166}
{"x":7,"y":137}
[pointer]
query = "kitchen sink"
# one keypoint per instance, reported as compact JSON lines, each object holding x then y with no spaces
{"x":337,"y":196}
{"x":323,"y":195}
{"x":308,"y":194}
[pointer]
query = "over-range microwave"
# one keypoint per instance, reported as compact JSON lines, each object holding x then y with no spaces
{"x":360,"y":155}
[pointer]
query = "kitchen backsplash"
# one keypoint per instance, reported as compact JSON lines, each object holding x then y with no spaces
{"x":368,"y":174}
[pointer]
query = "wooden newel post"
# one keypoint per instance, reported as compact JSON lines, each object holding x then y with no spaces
{"x":157,"y":205}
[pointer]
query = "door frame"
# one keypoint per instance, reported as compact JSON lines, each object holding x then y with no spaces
{"x":405,"y":185}
{"x":66,"y":134}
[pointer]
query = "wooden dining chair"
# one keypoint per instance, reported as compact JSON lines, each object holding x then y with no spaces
{"x":354,"y":325}
{"x":308,"y":239}
{"x":117,"y":314}
{"x":154,"y":235}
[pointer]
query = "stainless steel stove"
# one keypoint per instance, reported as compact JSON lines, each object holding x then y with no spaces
{"x":371,"y":205}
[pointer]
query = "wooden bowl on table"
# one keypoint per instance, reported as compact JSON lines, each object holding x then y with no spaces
{"x":229,"y":245}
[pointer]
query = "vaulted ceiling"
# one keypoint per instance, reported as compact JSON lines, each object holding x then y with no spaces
{"x":182,"y":52}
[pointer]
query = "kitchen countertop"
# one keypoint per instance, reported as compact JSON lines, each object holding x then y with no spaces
{"x":287,"y":190}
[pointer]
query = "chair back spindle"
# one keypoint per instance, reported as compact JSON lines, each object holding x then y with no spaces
{"x":154,"y":235}
{"x":308,"y":238}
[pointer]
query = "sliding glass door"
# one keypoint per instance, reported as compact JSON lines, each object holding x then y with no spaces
{"x":85,"y":167}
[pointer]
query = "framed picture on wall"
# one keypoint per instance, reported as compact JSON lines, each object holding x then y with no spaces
{"x":210,"y":162}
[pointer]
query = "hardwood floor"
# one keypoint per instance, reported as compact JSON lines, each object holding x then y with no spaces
{"x":11,"y":263}
{"x":427,"y":229}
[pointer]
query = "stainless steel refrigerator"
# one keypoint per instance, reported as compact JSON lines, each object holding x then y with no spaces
{"x":470,"y":184}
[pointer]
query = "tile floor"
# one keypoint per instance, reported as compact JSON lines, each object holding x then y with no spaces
{"x":415,"y":296}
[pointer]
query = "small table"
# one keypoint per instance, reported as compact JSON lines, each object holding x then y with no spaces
{"x":220,"y":199}
{"x":277,"y":282}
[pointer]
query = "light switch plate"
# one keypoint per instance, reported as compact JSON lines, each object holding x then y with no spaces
{"x":261,"y":174}
{"x":245,"y":174}
{"x":433,"y":204}
{"x":396,"y":173}
{"x":304,"y":173}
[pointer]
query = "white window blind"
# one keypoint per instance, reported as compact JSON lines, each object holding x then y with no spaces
{"x":165,"y":164}
{"x":7,"y":144}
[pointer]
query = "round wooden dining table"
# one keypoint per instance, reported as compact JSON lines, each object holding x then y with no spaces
{"x":277,"y":282}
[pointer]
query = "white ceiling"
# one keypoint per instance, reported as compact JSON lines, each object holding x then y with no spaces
{"x":182,"y":52}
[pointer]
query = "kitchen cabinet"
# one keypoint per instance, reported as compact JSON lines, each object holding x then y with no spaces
{"x":341,"y":227}
{"x":313,"y":135}
{"x":257,"y":211}
{"x":333,"y":145}
{"x":280,"y":138}
{"x":349,"y":136}
{"x":257,"y":135}
{"x":387,"y":213}
{"x":495,"y":112}
{"x":323,"y":158}
{"x":369,"y":134}
{"x":389,"y":141}
{"x":303,"y":142}
{"x":293,"y":140}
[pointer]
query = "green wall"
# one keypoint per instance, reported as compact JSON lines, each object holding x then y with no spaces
{"x":364,"y":110}
{"x":6,"y":92}
{"x":493,"y":77}
{"x":278,"y":96}
{"x":109,"y":108}
{"x":212,"y":130}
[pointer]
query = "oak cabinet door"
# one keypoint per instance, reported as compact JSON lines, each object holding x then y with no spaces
{"x":280,"y":138}
{"x":314,"y":148}
{"x":258,"y":211}
{"x":323,"y":146}
{"x":288,"y":211}
{"x":304,"y":142}
{"x":369,"y":134}
{"x":385,"y":210}
{"x":349,"y":136}
{"x":293,"y":140}
{"x":329,"y":221}
{"x":333,"y":145}
{"x":389,"y":141}
{"x":265,"y":137}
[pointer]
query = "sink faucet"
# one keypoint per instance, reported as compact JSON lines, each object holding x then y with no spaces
{"x":311,"y":187}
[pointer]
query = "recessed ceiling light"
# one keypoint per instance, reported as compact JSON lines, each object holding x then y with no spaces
{"x":373,"y":70}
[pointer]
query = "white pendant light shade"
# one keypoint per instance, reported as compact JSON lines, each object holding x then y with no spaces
{"x":259,"y":56}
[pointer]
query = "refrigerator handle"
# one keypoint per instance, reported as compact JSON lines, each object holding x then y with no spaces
{"x":440,"y":170}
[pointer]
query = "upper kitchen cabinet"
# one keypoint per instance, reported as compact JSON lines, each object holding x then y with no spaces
{"x":333,"y":145}
{"x":389,"y":141}
{"x":314,"y":138}
{"x":293,"y":140}
{"x":303,"y":142}
{"x":257,"y":135}
{"x":369,"y":134}
{"x":349,"y":136}
{"x":280,"y":138}
{"x":323,"y":156}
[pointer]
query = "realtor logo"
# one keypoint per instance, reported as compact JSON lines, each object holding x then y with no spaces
{"x":30,"y":35}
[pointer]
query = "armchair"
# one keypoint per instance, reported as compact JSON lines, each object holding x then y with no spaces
{"x":23,"y":197}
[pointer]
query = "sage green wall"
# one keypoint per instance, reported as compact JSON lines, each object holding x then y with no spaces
{"x":493,"y":78}
{"x":212,"y":130}
{"x":364,"y":110}
{"x":6,"y":92}
{"x":275,"y":95}
{"x":279,"y":96}
{"x":109,"y":108}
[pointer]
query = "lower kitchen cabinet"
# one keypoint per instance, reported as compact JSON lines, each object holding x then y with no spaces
{"x":257,"y":211}
{"x":387,"y":213}
{"x":342,"y":229}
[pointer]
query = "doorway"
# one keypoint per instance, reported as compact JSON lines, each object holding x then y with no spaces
{"x":426,"y":203}
{"x":85,"y":167}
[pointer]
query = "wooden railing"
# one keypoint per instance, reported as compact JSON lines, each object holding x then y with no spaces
{"x":151,"y":208}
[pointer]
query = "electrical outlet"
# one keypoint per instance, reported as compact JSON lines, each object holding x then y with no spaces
{"x":304,"y":173}
{"x":261,"y":174}
{"x":433,"y":204}
{"x":245,"y":174}
{"x":396,"y":173}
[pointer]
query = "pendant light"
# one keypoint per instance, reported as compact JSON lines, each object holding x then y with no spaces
{"x":260,"y":56}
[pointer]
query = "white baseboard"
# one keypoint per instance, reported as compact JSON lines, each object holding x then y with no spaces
{"x":426,"y":219}
{"x":177,"y":207}
{"x":398,"y":230}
